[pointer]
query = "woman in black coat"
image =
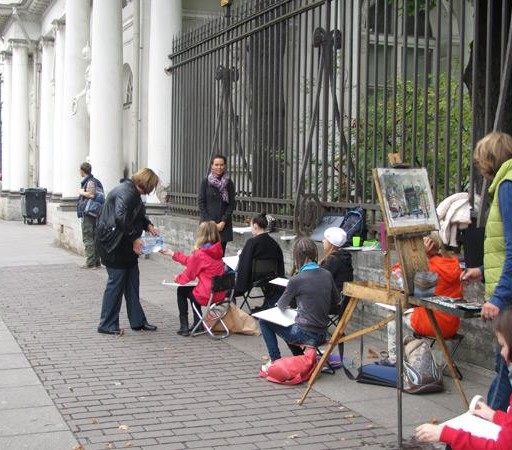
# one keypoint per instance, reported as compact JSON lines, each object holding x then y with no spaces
{"x":216,"y":199}
{"x":118,"y":230}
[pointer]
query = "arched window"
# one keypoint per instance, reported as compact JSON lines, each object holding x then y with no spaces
{"x":128,"y":86}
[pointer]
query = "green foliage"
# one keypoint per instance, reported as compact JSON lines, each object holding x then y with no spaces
{"x":421,"y":132}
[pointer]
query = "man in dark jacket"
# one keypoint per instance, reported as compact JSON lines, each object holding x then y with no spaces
{"x":89,"y":188}
{"x":118,"y":231}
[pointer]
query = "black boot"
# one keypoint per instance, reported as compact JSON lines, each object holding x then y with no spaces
{"x":183,"y":331}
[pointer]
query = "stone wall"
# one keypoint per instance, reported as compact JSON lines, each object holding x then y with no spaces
{"x":10,"y":206}
{"x":477,"y":346}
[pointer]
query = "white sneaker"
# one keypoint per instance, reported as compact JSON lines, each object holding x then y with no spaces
{"x":265,"y":366}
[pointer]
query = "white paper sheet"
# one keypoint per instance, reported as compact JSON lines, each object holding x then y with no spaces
{"x":280,"y":281}
{"x":231,"y":261}
{"x":241,"y":230}
{"x":284,"y":318}
{"x":172,"y":283}
{"x":474,"y":424}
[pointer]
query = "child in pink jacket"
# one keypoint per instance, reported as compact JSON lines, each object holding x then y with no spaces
{"x":203,"y":264}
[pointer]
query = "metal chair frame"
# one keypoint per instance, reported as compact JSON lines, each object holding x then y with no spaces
{"x":214,"y":312}
{"x":457,"y":340}
{"x":263,"y":270}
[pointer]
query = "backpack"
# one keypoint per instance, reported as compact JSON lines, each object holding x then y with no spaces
{"x":93,"y":205}
{"x":421,"y":373}
{"x":354,"y":223}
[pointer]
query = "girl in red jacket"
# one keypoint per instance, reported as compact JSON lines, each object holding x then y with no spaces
{"x":204,"y":264}
{"x":464,"y":440}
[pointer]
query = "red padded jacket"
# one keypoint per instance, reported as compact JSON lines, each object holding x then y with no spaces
{"x":204,"y":264}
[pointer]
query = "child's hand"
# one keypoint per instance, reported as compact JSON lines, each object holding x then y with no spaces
{"x":428,"y":432}
{"x":167,"y":251}
{"x":484,"y":411}
{"x":430,"y":246}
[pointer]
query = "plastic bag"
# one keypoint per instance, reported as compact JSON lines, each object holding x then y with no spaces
{"x":151,"y":244}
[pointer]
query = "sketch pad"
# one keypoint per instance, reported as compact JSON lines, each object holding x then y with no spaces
{"x":474,"y":424}
{"x":284,"y":318}
{"x":172,"y":283}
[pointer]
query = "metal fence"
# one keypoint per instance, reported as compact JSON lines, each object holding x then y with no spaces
{"x":306,"y":97}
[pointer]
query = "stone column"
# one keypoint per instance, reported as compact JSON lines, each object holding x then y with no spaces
{"x":165,"y":24}
{"x":19,"y":116}
{"x":6,"y":120}
{"x":75,"y":129}
{"x":106,"y":153}
{"x":58,"y":81}
{"x":46,"y":115}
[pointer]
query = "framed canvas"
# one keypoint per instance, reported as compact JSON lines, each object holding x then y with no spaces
{"x":406,"y":200}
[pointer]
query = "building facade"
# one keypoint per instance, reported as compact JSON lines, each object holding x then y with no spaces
{"x":84,"y":80}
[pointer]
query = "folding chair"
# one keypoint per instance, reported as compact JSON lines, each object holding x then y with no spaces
{"x":263,"y":270}
{"x":214,"y":312}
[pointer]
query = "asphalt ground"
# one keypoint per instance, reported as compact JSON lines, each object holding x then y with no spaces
{"x":65,"y":386}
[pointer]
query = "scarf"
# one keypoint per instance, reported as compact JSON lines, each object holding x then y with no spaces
{"x":221,"y":184}
{"x":309,"y":266}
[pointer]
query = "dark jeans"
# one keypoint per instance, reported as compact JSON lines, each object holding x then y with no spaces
{"x":291,"y":335}
{"x":498,"y":396}
{"x":185,"y":294}
{"x":121,"y":281}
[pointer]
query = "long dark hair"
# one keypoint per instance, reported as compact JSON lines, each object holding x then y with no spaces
{"x":304,"y":249}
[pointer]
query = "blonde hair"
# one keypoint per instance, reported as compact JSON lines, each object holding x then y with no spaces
{"x":331,"y":248}
{"x":438,"y":242}
{"x":207,"y":234}
{"x":491,"y":152}
{"x":146,"y":180}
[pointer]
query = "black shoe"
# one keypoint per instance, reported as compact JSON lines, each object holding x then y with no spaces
{"x":145,"y":327}
{"x":183,"y":331}
{"x":199,"y":329}
{"x":103,"y":331}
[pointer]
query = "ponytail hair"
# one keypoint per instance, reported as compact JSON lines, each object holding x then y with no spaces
{"x":261,"y":220}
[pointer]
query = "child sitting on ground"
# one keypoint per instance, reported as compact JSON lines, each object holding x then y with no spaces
{"x":447,"y":267}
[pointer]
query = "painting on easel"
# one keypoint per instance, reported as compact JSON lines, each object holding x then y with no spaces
{"x":407,"y":198}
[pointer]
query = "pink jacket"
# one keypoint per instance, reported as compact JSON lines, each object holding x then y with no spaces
{"x":204,"y":264}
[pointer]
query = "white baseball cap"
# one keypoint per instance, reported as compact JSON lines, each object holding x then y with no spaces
{"x":336,"y":236}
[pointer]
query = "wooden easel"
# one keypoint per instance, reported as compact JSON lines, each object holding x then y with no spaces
{"x":410,"y":249}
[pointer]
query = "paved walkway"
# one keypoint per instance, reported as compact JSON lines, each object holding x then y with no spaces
{"x":63,"y":385}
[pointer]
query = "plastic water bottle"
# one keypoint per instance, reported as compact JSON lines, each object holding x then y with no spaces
{"x":151,"y":244}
